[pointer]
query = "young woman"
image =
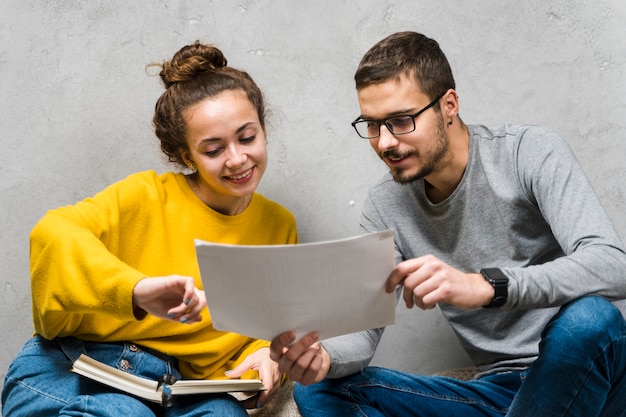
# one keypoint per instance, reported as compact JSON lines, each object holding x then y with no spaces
{"x":115,"y":276}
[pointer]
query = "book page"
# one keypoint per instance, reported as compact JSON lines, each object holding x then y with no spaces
{"x":149,"y":389}
{"x":334,"y":287}
{"x":193,"y":386}
{"x":116,"y":378}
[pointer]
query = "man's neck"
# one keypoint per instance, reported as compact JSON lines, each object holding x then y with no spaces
{"x":443,"y":181}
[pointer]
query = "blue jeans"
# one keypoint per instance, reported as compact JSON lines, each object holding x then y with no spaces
{"x":39,"y":383}
{"x":580,"y":371}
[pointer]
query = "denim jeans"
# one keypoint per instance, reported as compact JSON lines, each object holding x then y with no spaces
{"x":39,"y":383}
{"x":580,"y":372}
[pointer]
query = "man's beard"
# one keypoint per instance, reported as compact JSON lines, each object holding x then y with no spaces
{"x":440,"y":141}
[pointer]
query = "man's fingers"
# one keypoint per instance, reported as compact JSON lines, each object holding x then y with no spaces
{"x":279,"y":343}
{"x":409,"y":298}
{"x":395,"y":278}
{"x":296,"y":350}
{"x":312,"y":371}
{"x":293,"y":359}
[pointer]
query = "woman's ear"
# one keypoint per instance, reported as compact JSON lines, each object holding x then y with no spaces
{"x":187,"y":160}
{"x":185,"y":157}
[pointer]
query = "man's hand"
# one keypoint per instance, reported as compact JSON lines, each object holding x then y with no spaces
{"x":173,"y":297}
{"x":305,"y":361}
{"x":428,"y":281}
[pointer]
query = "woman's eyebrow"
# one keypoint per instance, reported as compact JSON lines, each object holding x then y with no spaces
{"x":239,"y":130}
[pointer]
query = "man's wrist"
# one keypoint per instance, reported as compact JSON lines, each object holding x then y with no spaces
{"x":500,"y":284}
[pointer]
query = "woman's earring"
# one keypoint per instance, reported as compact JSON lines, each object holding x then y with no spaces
{"x":192,"y":166}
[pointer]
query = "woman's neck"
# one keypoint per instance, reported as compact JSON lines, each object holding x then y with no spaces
{"x":226,"y":205}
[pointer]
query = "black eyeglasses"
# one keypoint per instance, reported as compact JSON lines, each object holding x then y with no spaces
{"x":398,"y":125}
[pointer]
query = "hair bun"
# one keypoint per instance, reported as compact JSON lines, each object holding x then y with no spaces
{"x":191,"y":61}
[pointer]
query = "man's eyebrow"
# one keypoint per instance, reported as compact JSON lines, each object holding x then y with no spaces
{"x":403,"y":112}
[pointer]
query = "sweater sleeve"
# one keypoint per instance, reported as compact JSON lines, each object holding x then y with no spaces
{"x":74,"y":270}
{"x":595,"y":260}
{"x":351,"y":353}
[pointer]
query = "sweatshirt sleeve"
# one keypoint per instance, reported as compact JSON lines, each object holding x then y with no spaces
{"x":351,"y":353}
{"x":74,"y":270}
{"x":595,"y":260}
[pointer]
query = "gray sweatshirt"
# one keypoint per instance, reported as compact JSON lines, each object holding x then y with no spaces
{"x":524,"y":205}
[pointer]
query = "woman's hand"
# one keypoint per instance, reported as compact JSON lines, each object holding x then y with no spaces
{"x":268,"y":374}
{"x":173,"y":297}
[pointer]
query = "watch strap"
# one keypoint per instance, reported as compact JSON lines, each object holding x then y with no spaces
{"x":500,"y":284}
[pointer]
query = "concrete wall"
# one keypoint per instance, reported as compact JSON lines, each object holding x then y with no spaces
{"x":76,"y":107}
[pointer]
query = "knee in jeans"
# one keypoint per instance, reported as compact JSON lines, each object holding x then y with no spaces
{"x":310,"y":396}
{"x":587,"y":319}
{"x":302,"y":395}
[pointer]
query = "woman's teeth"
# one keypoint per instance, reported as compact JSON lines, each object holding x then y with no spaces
{"x":240,"y":176}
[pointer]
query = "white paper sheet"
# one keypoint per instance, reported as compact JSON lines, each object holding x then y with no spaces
{"x":334,"y":287}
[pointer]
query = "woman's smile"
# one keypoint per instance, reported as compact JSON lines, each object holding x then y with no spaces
{"x":241,"y":178}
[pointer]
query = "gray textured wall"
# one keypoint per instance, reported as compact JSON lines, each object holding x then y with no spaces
{"x":76,"y":107}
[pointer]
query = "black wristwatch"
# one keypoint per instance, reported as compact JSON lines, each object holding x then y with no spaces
{"x":500,"y":284}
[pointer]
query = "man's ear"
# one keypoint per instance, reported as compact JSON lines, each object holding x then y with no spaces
{"x":450,"y":106}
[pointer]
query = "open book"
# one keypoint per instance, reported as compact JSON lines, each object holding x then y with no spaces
{"x":161,"y":391}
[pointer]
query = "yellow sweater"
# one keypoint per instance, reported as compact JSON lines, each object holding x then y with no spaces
{"x":87,"y":258}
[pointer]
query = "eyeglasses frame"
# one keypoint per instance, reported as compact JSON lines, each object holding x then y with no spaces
{"x":380,"y":122}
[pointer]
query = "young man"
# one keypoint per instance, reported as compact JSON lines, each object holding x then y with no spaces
{"x":498,"y":227}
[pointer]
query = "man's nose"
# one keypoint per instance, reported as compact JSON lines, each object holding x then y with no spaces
{"x":386,"y":140}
